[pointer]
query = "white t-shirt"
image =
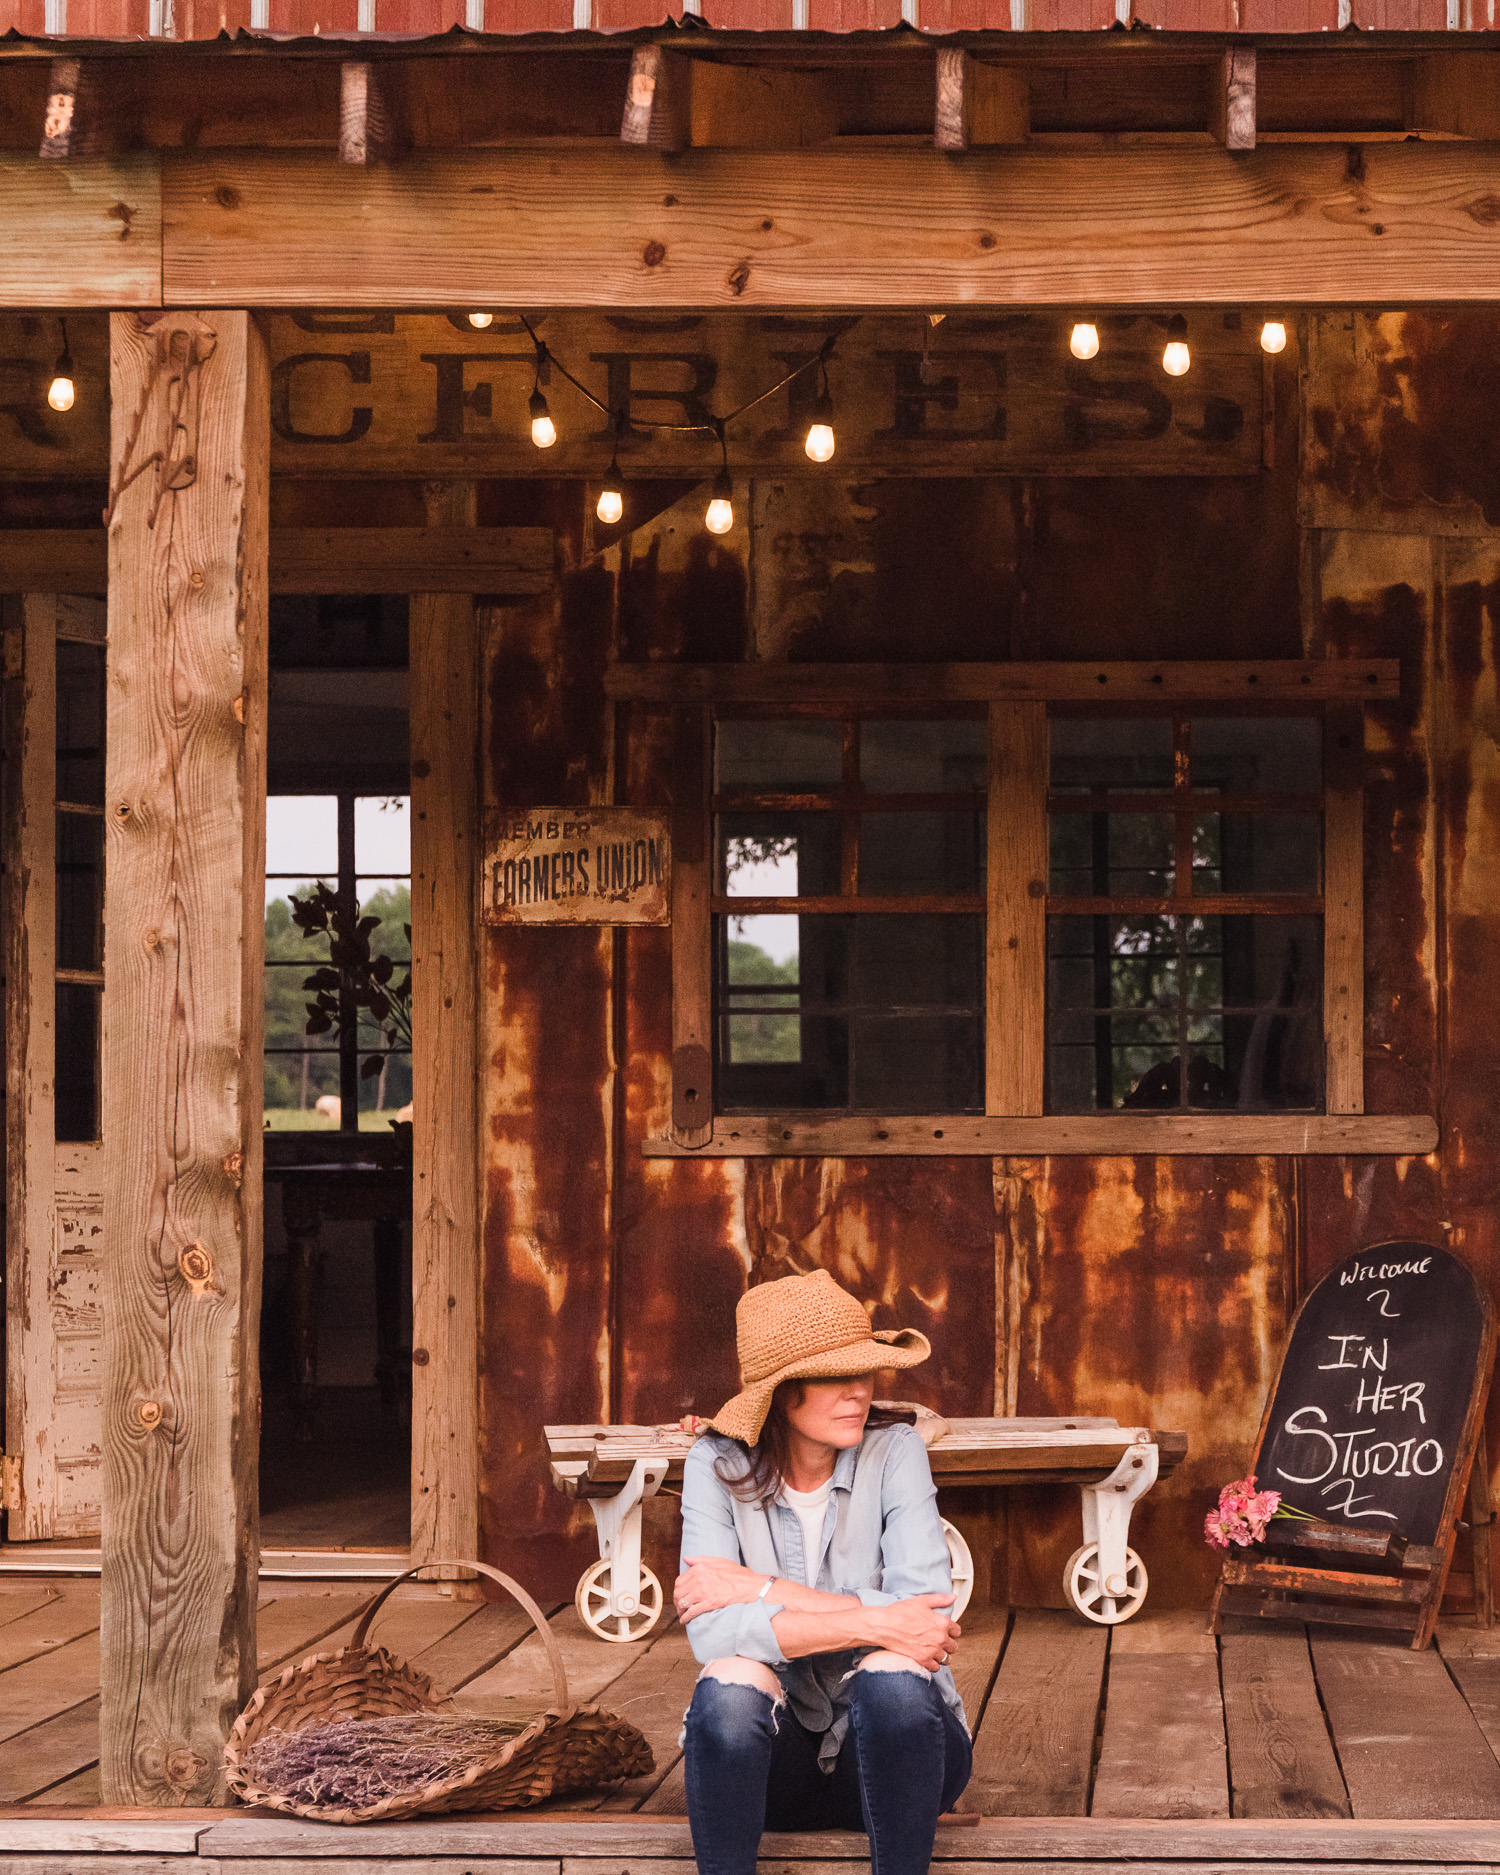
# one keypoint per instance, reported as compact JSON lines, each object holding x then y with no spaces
{"x":811,"y":1508}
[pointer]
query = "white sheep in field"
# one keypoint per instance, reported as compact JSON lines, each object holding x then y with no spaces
{"x":330,"y":1106}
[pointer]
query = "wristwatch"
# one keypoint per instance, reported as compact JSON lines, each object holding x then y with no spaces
{"x":770,"y":1584}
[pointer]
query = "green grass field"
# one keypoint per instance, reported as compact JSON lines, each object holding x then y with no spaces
{"x":295,"y":1120}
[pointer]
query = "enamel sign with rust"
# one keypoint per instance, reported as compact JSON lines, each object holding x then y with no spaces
{"x":577,"y":865}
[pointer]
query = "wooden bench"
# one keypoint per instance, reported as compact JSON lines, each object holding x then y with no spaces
{"x":616,"y":1468}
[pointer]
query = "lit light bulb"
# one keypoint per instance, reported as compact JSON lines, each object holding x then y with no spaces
{"x":820,"y":441}
{"x":720,"y":516}
{"x":543,"y":429}
{"x":1273,"y":336}
{"x":611,"y":497}
{"x":1176,"y":358}
{"x":1084,"y":341}
{"x":60,"y":391}
{"x":479,"y":320}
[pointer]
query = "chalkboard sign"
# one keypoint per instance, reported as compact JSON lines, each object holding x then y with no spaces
{"x":1375,"y":1427}
{"x":1372,"y":1408}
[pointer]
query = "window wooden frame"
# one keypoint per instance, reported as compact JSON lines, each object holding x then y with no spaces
{"x":1017,"y":696}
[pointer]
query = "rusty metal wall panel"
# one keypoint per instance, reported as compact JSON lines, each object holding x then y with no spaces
{"x":1153,"y":1290}
{"x":1400,"y":426}
{"x":548,"y":1067}
{"x":1402,"y":474}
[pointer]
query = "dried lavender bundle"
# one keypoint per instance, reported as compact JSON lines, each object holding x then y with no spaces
{"x":355,"y":1762}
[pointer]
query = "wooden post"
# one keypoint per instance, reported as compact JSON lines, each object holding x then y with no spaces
{"x":30,"y":1044}
{"x":182,"y":1069}
{"x":1016,"y":951}
{"x":445,"y":1060}
{"x":1343,"y":914}
{"x":692,"y":947}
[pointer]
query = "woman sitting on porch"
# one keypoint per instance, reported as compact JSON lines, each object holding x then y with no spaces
{"x":816,"y":1590}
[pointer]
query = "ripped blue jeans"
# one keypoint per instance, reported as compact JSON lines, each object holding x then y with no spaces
{"x":751,"y":1766}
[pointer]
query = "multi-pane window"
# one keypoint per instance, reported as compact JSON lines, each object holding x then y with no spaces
{"x":1185,"y":913}
{"x":849,"y":880}
{"x":79,"y":926}
{"x":360,"y":847}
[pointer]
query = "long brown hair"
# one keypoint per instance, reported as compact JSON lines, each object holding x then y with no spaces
{"x":756,"y":1478}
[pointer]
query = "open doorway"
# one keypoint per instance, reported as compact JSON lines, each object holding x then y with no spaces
{"x":336,"y":1314}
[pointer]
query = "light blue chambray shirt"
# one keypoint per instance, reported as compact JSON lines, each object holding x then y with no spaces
{"x":882,"y":1541}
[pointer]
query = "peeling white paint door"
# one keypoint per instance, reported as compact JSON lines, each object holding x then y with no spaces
{"x":54,"y":1204}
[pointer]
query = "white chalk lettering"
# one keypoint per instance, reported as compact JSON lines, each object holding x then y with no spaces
{"x":1350,"y":1500}
{"x":1343,"y":1360}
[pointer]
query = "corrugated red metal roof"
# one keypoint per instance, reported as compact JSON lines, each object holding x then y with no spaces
{"x":204,"y":19}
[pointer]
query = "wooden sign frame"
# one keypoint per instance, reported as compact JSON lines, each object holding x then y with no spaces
{"x":1410,"y":1598}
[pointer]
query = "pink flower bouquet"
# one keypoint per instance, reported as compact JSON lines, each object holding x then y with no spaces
{"x":1243,"y":1513}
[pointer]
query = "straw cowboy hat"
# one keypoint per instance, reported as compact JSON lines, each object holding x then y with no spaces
{"x":800,"y":1328}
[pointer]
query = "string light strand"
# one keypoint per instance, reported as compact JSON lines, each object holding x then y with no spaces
{"x":712,"y":426}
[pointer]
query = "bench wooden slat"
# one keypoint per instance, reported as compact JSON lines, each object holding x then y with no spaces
{"x":591,"y":1461}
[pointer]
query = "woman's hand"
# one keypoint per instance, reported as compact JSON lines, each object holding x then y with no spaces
{"x":922,"y":1628}
{"x":710,"y":1582}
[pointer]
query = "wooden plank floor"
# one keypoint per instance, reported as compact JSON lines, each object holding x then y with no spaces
{"x":1151,"y":1720}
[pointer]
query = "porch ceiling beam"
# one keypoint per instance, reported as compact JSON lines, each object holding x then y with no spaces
{"x":501,"y":562}
{"x":1318,"y":224}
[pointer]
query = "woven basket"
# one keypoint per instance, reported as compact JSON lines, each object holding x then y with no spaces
{"x":564,"y":1748}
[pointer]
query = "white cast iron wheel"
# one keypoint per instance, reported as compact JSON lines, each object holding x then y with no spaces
{"x":962,"y":1563}
{"x":591,"y":1599}
{"x":1099,"y":1599}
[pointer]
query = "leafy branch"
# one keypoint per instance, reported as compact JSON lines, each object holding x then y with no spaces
{"x":368,"y":976}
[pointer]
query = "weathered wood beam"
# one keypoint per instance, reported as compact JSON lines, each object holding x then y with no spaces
{"x":979,"y":104}
{"x":504,"y":562}
{"x":1099,"y":1135}
{"x":1289,"y":680}
{"x":657,"y":100}
{"x":692,"y":946}
{"x":84,"y":233}
{"x":607,"y":227}
{"x":1344,"y":908}
{"x":445,"y":691}
{"x":893,"y":227}
{"x":369,"y":118}
{"x":182,"y":1070}
{"x":1016,"y":927}
{"x":1232,"y":115}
